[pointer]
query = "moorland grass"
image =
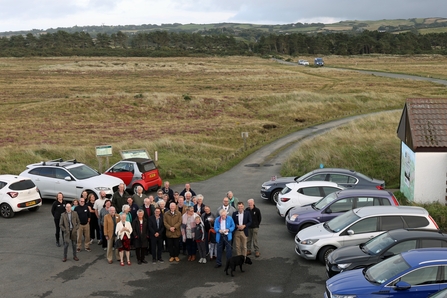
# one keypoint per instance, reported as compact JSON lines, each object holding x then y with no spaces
{"x":191,"y":110}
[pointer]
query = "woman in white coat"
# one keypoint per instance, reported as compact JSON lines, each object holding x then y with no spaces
{"x":123,"y":231}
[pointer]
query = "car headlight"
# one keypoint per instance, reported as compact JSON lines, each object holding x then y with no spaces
{"x":99,"y":188}
{"x":309,"y":241}
{"x":294,"y":217}
{"x":343,"y":296}
{"x":266,"y":187}
{"x":343,"y":266}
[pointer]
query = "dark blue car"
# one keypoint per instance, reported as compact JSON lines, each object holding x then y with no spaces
{"x":415,"y":273}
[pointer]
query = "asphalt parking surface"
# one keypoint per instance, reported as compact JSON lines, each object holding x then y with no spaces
{"x":31,"y":263}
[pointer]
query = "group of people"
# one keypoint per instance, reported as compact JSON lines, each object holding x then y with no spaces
{"x":170,"y":221}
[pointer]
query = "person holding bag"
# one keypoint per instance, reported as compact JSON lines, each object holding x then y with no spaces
{"x":123,"y":232}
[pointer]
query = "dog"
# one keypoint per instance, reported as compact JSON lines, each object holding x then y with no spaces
{"x":235,"y":261}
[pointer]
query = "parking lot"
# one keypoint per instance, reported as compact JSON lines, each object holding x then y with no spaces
{"x":32,"y":266}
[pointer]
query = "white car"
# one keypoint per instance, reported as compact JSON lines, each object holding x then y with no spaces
{"x":70,"y":178}
{"x":358,"y":226}
{"x":303,"y":62}
{"x":16,"y":194}
{"x":303,"y":193}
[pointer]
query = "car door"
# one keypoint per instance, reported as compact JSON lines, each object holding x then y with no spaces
{"x":363,"y":230}
{"x":123,"y":170}
{"x":424,"y":281}
{"x":70,"y":188}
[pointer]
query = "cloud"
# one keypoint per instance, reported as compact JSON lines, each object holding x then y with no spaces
{"x":43,"y":14}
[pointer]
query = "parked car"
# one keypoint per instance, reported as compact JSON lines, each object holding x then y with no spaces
{"x":357,"y":226}
{"x":303,"y":193}
{"x":415,"y":273}
{"x":382,"y":247}
{"x":137,"y":172}
{"x":343,"y":177}
{"x":335,"y":204}
{"x":69,"y":177}
{"x":318,"y":61}
{"x":17,"y":194}
{"x":303,"y":62}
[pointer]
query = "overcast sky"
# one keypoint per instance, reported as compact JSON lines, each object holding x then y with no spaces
{"x":43,"y":14}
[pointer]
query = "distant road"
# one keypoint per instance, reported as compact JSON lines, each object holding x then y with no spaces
{"x":379,"y":73}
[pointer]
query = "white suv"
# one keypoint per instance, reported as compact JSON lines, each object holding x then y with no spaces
{"x":70,"y":178}
{"x":358,"y":226}
{"x":303,"y":193}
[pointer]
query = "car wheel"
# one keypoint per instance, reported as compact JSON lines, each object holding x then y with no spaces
{"x":6,"y":211}
{"x":274,"y":196}
{"x":135,"y":186}
{"x":34,"y":209}
{"x":324,"y":253}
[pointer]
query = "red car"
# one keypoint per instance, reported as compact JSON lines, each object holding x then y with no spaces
{"x":137,"y":172}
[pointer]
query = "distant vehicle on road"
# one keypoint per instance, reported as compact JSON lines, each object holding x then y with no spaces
{"x":318,"y":62}
{"x":303,"y":62}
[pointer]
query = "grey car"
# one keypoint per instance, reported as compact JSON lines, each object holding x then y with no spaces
{"x":349,"y":179}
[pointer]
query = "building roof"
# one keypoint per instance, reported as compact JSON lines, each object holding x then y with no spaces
{"x":426,"y":119}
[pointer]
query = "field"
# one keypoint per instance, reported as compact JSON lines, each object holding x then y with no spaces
{"x":190,"y":110}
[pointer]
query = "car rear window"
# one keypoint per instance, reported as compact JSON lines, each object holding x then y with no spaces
{"x":310,"y":191}
{"x":46,"y":172}
{"x":391,"y":223}
{"x":147,"y":166}
{"x":416,"y":221}
{"x":433,"y":243}
{"x":2,"y":184}
{"x":22,"y":185}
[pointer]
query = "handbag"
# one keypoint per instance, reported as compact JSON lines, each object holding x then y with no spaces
{"x":118,"y":243}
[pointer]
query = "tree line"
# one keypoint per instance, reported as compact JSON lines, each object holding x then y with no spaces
{"x":163,"y":43}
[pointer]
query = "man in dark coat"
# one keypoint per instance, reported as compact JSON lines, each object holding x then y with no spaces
{"x":253,"y":230}
{"x":156,"y":229}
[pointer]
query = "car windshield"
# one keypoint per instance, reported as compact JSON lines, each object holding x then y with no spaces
{"x":386,"y":269}
{"x":342,"y":221}
{"x":324,"y":201}
{"x":378,"y":243}
{"x":83,"y":172}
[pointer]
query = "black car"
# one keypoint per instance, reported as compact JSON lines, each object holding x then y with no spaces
{"x":381,"y":247}
{"x":346,"y":178}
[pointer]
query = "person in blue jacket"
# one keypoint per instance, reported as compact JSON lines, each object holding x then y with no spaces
{"x":224,"y":227}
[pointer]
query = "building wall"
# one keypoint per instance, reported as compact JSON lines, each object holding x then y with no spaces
{"x":430,"y":177}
